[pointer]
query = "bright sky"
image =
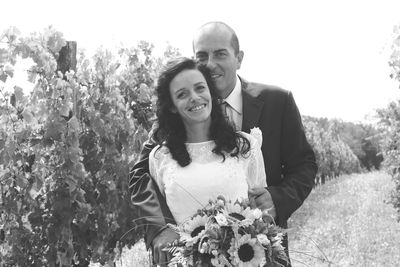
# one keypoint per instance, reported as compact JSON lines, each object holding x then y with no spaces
{"x":331,"y":54}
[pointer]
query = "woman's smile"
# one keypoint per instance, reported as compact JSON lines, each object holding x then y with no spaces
{"x":197,"y":108}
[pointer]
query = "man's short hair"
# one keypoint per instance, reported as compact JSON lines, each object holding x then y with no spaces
{"x":234,"y":38}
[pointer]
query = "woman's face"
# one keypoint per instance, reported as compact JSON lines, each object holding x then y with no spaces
{"x":191,"y":97}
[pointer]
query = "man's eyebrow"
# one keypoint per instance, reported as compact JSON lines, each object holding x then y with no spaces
{"x":221,"y":50}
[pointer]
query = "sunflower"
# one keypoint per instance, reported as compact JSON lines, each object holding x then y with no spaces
{"x":235,"y":210}
{"x":245,"y":216}
{"x":193,"y":229}
{"x":246,"y":251}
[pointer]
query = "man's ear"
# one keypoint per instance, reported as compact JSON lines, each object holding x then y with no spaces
{"x":239,"y":59}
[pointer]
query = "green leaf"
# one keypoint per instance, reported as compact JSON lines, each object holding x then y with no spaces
{"x":83,"y":211}
{"x":21,"y":180}
{"x":3,"y":56}
{"x":54,"y":129}
{"x":64,"y":111}
{"x":27,"y":115}
{"x":11,"y":148}
{"x":74,"y":124}
{"x":55,"y":40}
{"x":60,"y":83}
{"x":3,"y":171}
{"x":19,"y":93}
{"x":144,"y":93}
{"x":11,"y":33}
{"x":72,"y":184}
{"x":3,"y":76}
{"x":397,"y":41}
{"x":9,"y":70}
{"x":35,"y":188}
{"x":32,"y":76}
{"x":25,"y":222}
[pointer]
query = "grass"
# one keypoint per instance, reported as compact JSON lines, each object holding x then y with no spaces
{"x":345,"y":222}
{"x":136,"y":256}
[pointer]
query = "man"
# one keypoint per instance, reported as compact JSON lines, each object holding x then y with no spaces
{"x":289,"y":160}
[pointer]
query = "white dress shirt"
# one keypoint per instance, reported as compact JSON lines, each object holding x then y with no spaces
{"x":234,"y":109}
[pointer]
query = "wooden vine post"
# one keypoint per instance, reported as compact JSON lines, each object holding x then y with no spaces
{"x":67,"y":57}
{"x":67,"y":62}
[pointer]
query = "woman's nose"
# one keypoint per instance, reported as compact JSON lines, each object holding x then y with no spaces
{"x":194,"y":97}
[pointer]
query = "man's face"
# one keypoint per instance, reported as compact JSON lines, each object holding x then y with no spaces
{"x":212,"y":47}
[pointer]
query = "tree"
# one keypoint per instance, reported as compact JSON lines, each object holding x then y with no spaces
{"x":390,"y":124}
{"x":363,"y":139}
{"x":66,"y":149}
{"x":334,"y":157}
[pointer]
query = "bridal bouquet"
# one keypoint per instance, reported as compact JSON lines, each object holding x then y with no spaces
{"x":228,"y":234}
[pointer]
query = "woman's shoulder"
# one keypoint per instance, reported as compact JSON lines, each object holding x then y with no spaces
{"x":159,"y":152}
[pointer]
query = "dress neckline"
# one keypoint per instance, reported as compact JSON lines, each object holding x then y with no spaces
{"x":199,"y":143}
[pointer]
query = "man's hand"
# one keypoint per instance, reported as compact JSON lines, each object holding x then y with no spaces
{"x":167,"y":236}
{"x":262,"y":199}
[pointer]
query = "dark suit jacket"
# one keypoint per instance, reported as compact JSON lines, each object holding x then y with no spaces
{"x":289,"y":160}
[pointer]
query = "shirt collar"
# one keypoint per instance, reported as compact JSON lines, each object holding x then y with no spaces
{"x":234,"y":99}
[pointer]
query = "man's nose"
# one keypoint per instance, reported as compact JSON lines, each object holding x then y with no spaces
{"x":210,"y":63}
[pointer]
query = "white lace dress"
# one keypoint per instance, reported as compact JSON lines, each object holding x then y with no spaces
{"x":189,"y":188}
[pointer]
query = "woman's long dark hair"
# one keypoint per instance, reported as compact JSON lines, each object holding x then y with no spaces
{"x":170,"y":130}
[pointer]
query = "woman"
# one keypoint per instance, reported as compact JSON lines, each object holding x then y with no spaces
{"x":199,"y":155}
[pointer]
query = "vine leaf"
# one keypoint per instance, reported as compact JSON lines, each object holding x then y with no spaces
{"x":3,"y":76}
{"x":64,"y":111}
{"x":25,"y":222}
{"x":9,"y":70}
{"x":19,"y":93}
{"x":11,"y":33}
{"x":73,"y":124}
{"x":27,"y":115}
{"x":3,"y":56}
{"x":32,"y":74}
{"x":21,"y":181}
{"x":72,"y":184}
{"x":54,"y":130}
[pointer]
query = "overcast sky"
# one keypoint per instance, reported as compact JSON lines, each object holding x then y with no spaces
{"x":331,"y":54}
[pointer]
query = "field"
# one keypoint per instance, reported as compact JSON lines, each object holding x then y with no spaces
{"x":345,"y":222}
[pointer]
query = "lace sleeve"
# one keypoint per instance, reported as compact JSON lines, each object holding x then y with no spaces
{"x":155,"y":166}
{"x":255,"y":169}
{"x":257,"y":134}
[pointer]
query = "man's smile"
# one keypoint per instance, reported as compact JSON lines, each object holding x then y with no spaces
{"x":215,"y":76}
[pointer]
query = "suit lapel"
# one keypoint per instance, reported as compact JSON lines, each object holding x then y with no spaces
{"x":252,"y":108}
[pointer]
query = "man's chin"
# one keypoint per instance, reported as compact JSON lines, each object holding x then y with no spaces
{"x":219,"y":86}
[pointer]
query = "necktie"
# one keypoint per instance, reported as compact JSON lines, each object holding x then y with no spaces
{"x":230,"y":115}
{"x":227,"y":111}
{"x":224,"y":107}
